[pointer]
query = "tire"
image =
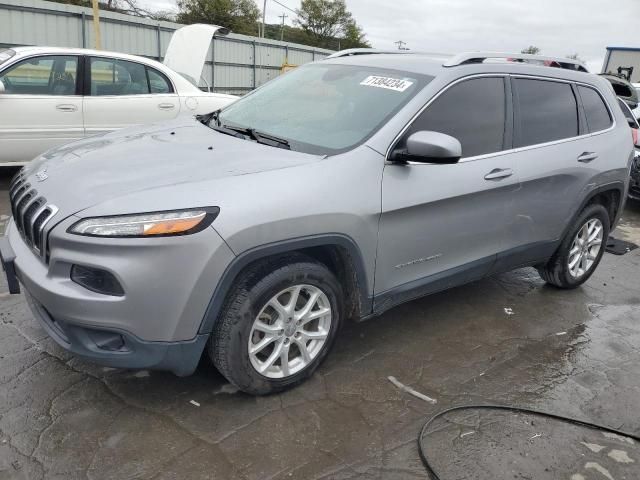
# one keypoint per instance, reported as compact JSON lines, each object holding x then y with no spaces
{"x":557,"y":270}
{"x":252,"y":296}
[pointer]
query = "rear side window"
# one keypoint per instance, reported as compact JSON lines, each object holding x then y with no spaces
{"x":547,"y":111}
{"x":472,"y":111}
{"x":598,"y":117}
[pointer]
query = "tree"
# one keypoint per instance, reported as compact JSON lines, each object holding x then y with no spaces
{"x":354,"y":37}
{"x":531,"y":50}
{"x":324,"y":21}
{"x":241,"y":16}
{"x":575,"y":56}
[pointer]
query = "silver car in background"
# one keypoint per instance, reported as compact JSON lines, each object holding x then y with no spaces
{"x":334,"y":192}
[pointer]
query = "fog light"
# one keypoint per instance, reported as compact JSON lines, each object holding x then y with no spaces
{"x":96,"y":280}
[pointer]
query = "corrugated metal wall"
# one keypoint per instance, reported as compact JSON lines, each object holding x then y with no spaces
{"x":236,"y":63}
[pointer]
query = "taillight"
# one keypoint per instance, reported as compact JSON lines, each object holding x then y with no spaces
{"x":634,"y":135}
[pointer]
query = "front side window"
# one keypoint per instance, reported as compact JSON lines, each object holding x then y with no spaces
{"x":48,"y":75}
{"x":546,"y":111}
{"x":597,"y":113}
{"x":325,"y":108}
{"x":472,"y":111}
{"x":117,"y":77}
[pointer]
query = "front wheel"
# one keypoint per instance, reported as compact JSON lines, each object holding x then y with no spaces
{"x":278,"y":325}
{"x":581,"y":250}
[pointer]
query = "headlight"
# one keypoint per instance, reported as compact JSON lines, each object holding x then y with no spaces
{"x":156,"y":224}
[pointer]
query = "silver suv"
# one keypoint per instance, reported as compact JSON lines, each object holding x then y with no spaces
{"x":335,"y":192}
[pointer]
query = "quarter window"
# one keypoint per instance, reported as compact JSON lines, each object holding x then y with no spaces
{"x":158,"y":83}
{"x":547,"y":111}
{"x":49,"y":75}
{"x":598,"y":117}
{"x":472,"y":111}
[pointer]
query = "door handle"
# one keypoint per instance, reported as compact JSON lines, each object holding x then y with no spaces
{"x":587,"y":157}
{"x":66,"y":107}
{"x":498,"y":173}
{"x":166,"y":106}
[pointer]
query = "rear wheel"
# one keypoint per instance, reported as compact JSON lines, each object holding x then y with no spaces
{"x":581,"y":250}
{"x":278,"y":325}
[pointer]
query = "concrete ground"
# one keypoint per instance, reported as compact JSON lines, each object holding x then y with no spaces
{"x":508,"y":339}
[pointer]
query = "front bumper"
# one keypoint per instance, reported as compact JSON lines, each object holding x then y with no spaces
{"x":168,"y":284}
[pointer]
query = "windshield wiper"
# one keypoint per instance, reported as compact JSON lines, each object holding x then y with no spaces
{"x":260,"y":137}
{"x":241,"y":132}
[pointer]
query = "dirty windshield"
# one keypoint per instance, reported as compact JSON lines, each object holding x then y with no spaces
{"x":324,"y":108}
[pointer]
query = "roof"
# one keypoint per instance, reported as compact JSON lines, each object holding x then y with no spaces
{"x":79,"y":51}
{"x":434,"y":65}
{"x":625,"y":49}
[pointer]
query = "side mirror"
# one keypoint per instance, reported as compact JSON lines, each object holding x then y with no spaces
{"x":2,"y":89}
{"x":429,"y":147}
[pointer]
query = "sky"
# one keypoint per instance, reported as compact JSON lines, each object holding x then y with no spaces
{"x":557,"y":27}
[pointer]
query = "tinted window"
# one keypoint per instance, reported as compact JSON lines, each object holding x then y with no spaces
{"x":628,"y":114}
{"x":547,"y":111}
{"x":158,"y":83}
{"x":117,"y":77}
{"x":473,"y":112}
{"x":50,"y":75}
{"x":594,"y":108}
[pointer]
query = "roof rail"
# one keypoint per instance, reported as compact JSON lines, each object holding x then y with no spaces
{"x":363,"y":51}
{"x":479,"y":57}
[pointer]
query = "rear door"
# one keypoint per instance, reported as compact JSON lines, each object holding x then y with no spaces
{"x":41,"y":106}
{"x":553,"y":162}
{"x":446,"y":223}
{"x":121,"y":93}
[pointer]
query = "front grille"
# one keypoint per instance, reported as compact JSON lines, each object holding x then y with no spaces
{"x":31,"y":212}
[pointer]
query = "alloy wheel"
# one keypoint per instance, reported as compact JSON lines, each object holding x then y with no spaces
{"x":290,"y":331}
{"x":585,"y":248}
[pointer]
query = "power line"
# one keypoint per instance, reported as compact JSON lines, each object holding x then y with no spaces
{"x":284,"y":6}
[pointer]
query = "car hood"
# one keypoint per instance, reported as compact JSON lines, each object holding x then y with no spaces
{"x":91,"y":171}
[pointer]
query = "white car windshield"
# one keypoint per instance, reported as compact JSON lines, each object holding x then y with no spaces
{"x":325,"y":108}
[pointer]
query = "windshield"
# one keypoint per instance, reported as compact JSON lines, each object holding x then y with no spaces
{"x":6,"y":55}
{"x":324,"y":108}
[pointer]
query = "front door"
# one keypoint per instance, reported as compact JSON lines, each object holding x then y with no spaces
{"x":122,"y":93}
{"x":444,"y":223}
{"x":40,"y":106}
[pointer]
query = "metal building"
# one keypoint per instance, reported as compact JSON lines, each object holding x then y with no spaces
{"x":236,"y":63}
{"x":625,"y":58}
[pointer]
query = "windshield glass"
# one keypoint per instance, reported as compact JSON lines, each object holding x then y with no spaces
{"x":6,"y":55}
{"x":324,"y":108}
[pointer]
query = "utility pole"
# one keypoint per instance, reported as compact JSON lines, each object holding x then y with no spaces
{"x":96,"y":25}
{"x":283,"y":16}
{"x":401,"y":45}
{"x":264,"y":16}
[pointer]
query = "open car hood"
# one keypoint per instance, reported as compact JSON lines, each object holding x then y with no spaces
{"x":187,"y":50}
{"x":623,"y":89}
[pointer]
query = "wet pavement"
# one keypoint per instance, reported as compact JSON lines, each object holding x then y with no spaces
{"x":508,"y":339}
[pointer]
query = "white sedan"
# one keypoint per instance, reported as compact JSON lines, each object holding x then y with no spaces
{"x":50,"y":96}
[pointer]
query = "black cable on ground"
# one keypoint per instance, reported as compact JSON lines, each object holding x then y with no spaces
{"x":527,"y":411}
